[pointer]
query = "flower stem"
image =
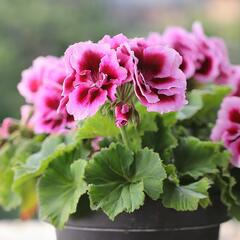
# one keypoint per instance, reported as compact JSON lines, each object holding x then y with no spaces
{"x":124,"y":136}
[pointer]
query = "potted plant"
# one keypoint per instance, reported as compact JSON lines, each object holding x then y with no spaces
{"x":131,"y":138}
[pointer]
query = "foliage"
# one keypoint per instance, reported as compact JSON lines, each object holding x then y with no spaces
{"x":163,"y":157}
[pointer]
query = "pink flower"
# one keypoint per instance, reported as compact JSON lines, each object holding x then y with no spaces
{"x":95,"y":144}
{"x":122,"y":114}
{"x":235,"y":150}
{"x":236,"y":81}
{"x":155,"y":38}
{"x":159,"y":83}
{"x":6,"y":127}
{"x":186,"y":45}
{"x":49,"y":73}
{"x":115,"y":41}
{"x":125,"y":56}
{"x":47,"y":118}
{"x":94,"y":75}
{"x":213,"y":63}
{"x":227,"y":128}
{"x":42,"y":69}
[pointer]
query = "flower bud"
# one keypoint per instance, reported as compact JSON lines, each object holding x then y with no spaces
{"x":122,"y":114}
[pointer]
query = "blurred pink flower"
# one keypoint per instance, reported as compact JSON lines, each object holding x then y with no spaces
{"x":95,"y":144}
{"x":155,"y":38}
{"x":186,"y":45}
{"x":47,"y":118}
{"x":48,"y":74}
{"x":236,"y":81}
{"x":122,"y":114}
{"x":5,"y":129}
{"x":94,"y":74}
{"x":227,"y":128}
{"x":42,"y":69}
{"x":159,"y":83}
{"x":213,"y":63}
{"x":125,"y":56}
{"x":235,"y":150}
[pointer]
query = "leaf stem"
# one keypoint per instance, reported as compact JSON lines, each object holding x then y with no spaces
{"x":124,"y":136}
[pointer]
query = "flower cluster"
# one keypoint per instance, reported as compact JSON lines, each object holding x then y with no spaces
{"x":120,"y":71}
{"x":97,"y":70}
{"x":41,"y":85}
{"x":204,"y":58}
{"x":110,"y":86}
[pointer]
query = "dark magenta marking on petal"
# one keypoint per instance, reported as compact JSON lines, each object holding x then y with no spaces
{"x":90,"y":61}
{"x":93,"y":94}
{"x":33,"y":85}
{"x":206,"y":66}
{"x":153,"y":63}
{"x":82,"y":94}
{"x":110,"y":71}
{"x":52,"y":102}
{"x":234,"y":116}
{"x":165,"y":98}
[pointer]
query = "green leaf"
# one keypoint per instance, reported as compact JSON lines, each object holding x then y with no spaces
{"x":163,"y":141}
{"x":195,"y":103}
{"x":29,"y":203}
{"x":201,"y":120}
{"x":111,"y":189}
{"x":98,"y":125}
{"x":187,"y":197}
{"x":38,"y":162}
{"x":147,"y":119}
{"x":115,"y":198}
{"x":197,"y":158}
{"x":147,"y":122}
{"x":229,"y":185}
{"x":172,"y":174}
{"x":118,"y":179}
{"x":6,"y":153}
{"x":60,"y":188}
{"x":12,"y":153}
{"x":24,"y":150}
{"x":204,"y":103}
{"x":134,"y":138}
{"x":9,"y":199}
{"x":212,"y":98}
{"x":148,"y":168}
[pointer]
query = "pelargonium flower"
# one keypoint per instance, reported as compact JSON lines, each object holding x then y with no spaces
{"x":212,"y":58}
{"x":47,"y":75}
{"x":6,"y":127}
{"x":186,"y":45}
{"x":122,"y":114}
{"x":227,"y":128}
{"x":94,"y":73}
{"x":159,"y":83}
{"x":42,"y":69}
{"x":154,"y":38}
{"x":235,"y":150}
{"x":95,"y":144}
{"x":47,"y":118}
{"x":226,"y":70}
{"x":236,"y":81}
{"x":125,"y":56}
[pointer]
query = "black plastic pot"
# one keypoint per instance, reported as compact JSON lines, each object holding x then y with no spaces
{"x":151,"y":222}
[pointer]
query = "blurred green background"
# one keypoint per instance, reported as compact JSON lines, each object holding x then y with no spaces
{"x":29,"y":28}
